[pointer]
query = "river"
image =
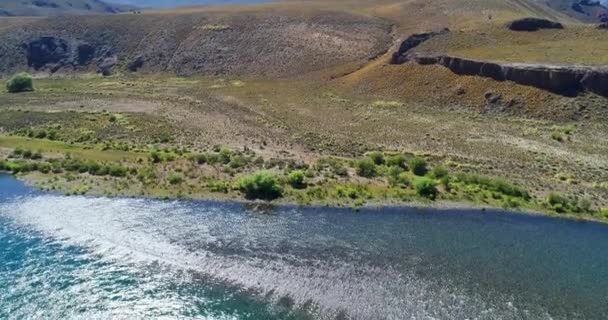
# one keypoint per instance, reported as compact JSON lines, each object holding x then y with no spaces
{"x":99,"y":258}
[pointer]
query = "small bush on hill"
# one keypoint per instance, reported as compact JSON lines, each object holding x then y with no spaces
{"x":20,"y":82}
{"x":175,"y":179}
{"x":225,"y":156}
{"x":296,"y":179}
{"x":237,"y":161}
{"x":366,"y":168}
{"x":117,"y":171}
{"x":418,"y":166}
{"x":439,"y":172}
{"x":333,"y":165}
{"x":260,"y":185}
{"x":396,"y":176}
{"x":426,"y":187}
{"x":377,"y":157}
{"x":397,"y":160}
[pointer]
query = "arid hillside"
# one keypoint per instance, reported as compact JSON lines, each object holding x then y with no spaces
{"x":57,"y":7}
{"x":346,"y":42}
{"x":273,"y":41}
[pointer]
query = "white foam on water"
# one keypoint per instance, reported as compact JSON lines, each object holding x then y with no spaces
{"x":180,"y":235}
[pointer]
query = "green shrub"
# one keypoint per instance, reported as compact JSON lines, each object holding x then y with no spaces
{"x":494,"y":184}
{"x":439,"y":172}
{"x":27,"y":154}
{"x":99,"y":170}
{"x":20,"y":82}
{"x":218,"y":186}
{"x":225,"y":156}
{"x":366,"y":168}
{"x":557,"y":136}
{"x":237,"y":161}
{"x":212,"y":158}
{"x":44,"y":167}
{"x":36,"y":155}
{"x":296,"y":179}
{"x":426,"y":187}
{"x":554,"y":199}
{"x":377,"y":157}
{"x":445,"y":182}
{"x":72,"y":165}
{"x":40,"y":134}
{"x":154,"y":156}
{"x":175,"y":178}
{"x":146,"y":175}
{"x":393,"y":173}
{"x":333,"y":165}
{"x":260,"y":185}
{"x":418,"y":166}
{"x":117,"y":171}
{"x":200,"y":158}
{"x":397,"y":160}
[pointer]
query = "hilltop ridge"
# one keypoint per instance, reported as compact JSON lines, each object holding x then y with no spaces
{"x":57,"y":7}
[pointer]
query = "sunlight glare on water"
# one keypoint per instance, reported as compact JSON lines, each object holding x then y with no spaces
{"x":84,"y":257}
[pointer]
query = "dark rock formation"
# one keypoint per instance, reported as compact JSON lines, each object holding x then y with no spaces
{"x":578,"y":8}
{"x":563,"y":80}
{"x":533,"y":24}
{"x":107,"y":65}
{"x":412,"y":42}
{"x":52,"y":54}
{"x":86,"y":53}
{"x":47,"y":53}
{"x":603,"y":26}
{"x":136,"y":64}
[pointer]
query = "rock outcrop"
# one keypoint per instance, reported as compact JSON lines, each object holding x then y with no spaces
{"x":47,"y":52}
{"x":136,"y":64}
{"x":533,"y":24}
{"x":51,"y":54}
{"x":412,"y":42}
{"x":563,"y":80}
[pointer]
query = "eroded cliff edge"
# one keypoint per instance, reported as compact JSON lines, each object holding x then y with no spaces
{"x":560,"y":79}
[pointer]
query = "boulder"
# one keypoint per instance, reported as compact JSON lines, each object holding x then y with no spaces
{"x":107,"y":65}
{"x":136,"y":64}
{"x":533,"y":24}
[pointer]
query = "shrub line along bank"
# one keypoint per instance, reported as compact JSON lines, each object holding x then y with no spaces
{"x":376,"y":177}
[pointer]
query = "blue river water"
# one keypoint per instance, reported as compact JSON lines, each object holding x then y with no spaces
{"x":98,"y":258}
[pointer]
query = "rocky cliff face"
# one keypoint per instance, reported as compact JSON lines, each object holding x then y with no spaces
{"x":413,"y":41}
{"x":563,"y":80}
{"x":54,"y":54}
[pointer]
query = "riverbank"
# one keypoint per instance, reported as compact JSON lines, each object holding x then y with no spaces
{"x":393,"y":184}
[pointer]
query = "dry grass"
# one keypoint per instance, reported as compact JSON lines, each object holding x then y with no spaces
{"x":575,"y":45}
